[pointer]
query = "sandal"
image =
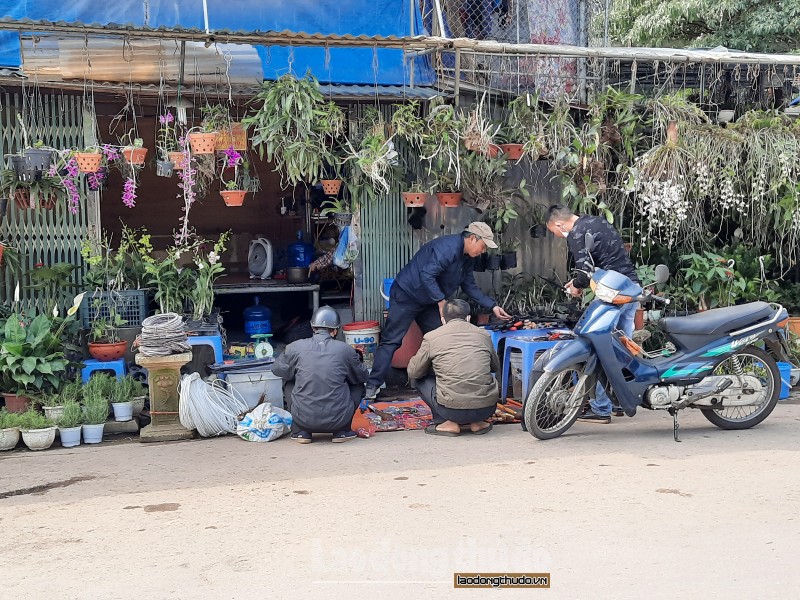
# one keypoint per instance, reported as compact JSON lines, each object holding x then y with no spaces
{"x":431,"y":430}
{"x":483,"y":431}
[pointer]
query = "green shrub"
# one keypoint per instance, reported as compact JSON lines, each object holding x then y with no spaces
{"x":73,"y":415}
{"x":33,"y":419}
{"x":8,"y":419}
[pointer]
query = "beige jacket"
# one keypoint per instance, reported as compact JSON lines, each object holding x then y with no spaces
{"x":463,"y":359}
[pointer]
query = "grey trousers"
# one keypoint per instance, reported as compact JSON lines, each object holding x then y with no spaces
{"x":463,"y":416}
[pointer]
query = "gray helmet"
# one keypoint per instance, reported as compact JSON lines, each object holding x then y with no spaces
{"x":326,"y":318}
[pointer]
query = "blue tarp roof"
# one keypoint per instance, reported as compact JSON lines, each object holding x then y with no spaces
{"x":382,"y":66}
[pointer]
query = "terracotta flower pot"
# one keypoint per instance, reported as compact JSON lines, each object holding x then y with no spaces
{"x":16,"y":404}
{"x":449,"y":199}
{"x":22,"y":198}
{"x":88,"y":162}
{"x":135,"y":156}
{"x":494,"y":150}
{"x":233,"y":197}
{"x":107,"y":352}
{"x":794,"y":325}
{"x":176,"y":158}
{"x":203,"y":143}
{"x":331,"y":187}
{"x":512,"y":151}
{"x":414,"y":199}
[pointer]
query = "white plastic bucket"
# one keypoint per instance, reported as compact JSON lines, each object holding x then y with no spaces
{"x":364,"y":336}
{"x":252,"y":385}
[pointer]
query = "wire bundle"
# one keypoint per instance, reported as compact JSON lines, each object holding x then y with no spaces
{"x":209,"y":407}
{"x":163,"y":335}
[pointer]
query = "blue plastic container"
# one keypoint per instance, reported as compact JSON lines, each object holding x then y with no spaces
{"x":300,"y":254}
{"x":786,"y":374}
{"x":257,"y":319}
{"x":387,"y":286}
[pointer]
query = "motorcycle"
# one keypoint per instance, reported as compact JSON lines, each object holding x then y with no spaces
{"x":717,"y":365}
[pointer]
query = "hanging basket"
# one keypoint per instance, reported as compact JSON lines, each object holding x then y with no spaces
{"x":233,"y":197}
{"x":135,"y":156}
{"x":88,"y":162}
{"x":235,"y":136}
{"x":48,"y":202}
{"x":177,"y":160}
{"x":513,"y":151}
{"x":342,"y":219}
{"x":22,"y":197}
{"x":203,"y":143}
{"x":38,"y":159}
{"x":164,"y":168}
{"x":22,"y":170}
{"x":414,"y":199}
{"x":331,"y":187}
{"x":449,"y":199}
{"x":508,"y":260}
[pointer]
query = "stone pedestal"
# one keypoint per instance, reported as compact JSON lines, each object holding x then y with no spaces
{"x":164,"y":375}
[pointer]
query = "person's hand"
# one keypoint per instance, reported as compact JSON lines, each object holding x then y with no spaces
{"x":501,"y":314}
{"x":441,"y":306}
{"x":572,"y":290}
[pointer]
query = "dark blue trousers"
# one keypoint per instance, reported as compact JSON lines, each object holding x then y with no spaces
{"x":403,"y":310}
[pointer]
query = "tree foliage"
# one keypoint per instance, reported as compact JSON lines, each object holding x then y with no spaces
{"x":749,"y":25}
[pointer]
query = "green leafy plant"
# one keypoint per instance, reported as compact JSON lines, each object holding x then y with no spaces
{"x":332,"y":207}
{"x":32,"y":419}
{"x":209,"y":268}
{"x":72,"y":415}
{"x":95,"y":406}
{"x":8,"y":420}
{"x":103,"y":327}
{"x":216,"y":117}
{"x":408,"y":125}
{"x":100,"y":385}
{"x":125,"y":389}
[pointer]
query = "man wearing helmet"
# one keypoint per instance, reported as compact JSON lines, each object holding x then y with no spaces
{"x":323,"y":381}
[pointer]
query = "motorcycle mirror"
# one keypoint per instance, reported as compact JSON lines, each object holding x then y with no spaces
{"x":588,"y":242}
{"x":662,"y":274}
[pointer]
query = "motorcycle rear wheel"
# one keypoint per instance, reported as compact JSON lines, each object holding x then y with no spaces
{"x":757,"y":363}
{"x":548,"y":412}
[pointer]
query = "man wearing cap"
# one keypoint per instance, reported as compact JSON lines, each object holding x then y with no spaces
{"x":323,"y":381}
{"x":420,"y":289}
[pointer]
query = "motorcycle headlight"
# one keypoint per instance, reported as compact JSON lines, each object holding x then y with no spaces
{"x":605,"y":293}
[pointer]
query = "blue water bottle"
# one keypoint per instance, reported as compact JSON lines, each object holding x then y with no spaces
{"x":300,"y":253}
{"x":257,"y":319}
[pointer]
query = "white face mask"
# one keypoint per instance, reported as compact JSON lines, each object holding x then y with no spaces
{"x":564,"y":232}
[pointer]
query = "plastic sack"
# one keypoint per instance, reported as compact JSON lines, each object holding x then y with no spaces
{"x":264,"y":424}
{"x":347,"y":250}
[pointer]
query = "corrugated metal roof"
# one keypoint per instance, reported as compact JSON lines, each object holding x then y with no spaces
{"x":395,"y":92}
{"x":10,"y":73}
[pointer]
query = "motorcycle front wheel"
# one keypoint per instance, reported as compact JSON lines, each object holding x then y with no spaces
{"x":754,"y":362}
{"x":552,"y":407}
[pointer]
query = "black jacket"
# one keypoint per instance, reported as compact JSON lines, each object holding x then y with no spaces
{"x":609,"y":252}
{"x":438,"y":270}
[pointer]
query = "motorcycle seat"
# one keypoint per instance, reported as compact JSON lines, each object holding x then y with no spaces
{"x":717,"y":320}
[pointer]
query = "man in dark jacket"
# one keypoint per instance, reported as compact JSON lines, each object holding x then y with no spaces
{"x":420,"y":289}
{"x":609,"y":253}
{"x":324,"y":381}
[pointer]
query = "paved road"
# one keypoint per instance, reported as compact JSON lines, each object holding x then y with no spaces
{"x":611,"y":511}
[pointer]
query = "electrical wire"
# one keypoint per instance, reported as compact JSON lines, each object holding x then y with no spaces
{"x":163,"y":335}
{"x":209,"y":407}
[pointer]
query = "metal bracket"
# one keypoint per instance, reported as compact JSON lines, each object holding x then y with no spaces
{"x":675,"y":425}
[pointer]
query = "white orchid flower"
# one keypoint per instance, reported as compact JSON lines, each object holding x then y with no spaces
{"x":16,"y":293}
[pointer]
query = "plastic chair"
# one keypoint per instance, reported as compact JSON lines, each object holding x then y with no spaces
{"x":117,"y":367}
{"x":215,"y":341}
{"x":530,"y":352}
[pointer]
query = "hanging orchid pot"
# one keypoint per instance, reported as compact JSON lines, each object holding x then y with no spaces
{"x":22,"y":197}
{"x":414,"y":199}
{"x":331,"y":187}
{"x":234,"y":137}
{"x":233,"y":197}
{"x":48,"y":201}
{"x":449,"y":199}
{"x":493,"y":262}
{"x":178,"y":160}
{"x":203,"y":143}
{"x":479,"y":263}
{"x":22,"y":169}
{"x":512,"y":151}
{"x":164,"y":168}
{"x":342,"y":219}
{"x":135,"y":156}
{"x":538,"y":231}
{"x":38,"y":159}
{"x":88,"y":162}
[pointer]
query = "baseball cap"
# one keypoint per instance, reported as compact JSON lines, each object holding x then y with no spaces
{"x":483,"y":231}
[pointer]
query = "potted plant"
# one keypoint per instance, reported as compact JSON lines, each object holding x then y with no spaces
{"x":166,"y":145}
{"x":508,"y":252}
{"x":33,"y":161}
{"x":408,"y":125}
{"x":232,"y":191}
{"x":416,"y":195}
{"x":52,"y":405}
{"x":493,"y":261}
{"x":209,"y":268}
{"x":133,"y":149}
{"x":9,"y":429}
{"x":371,"y":156}
{"x":447,"y":192}
{"x":38,"y":432}
{"x":479,"y":131}
{"x":95,"y":409}
{"x":214,"y":118}
{"x":104,"y":342}
{"x":69,"y":424}
{"x":90,"y":159}
{"x":122,"y":398}
{"x":523,"y":131}
{"x":340,"y":211}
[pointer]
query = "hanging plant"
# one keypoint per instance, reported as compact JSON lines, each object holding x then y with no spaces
{"x":372,"y":159}
{"x":442,"y":148}
{"x":479,"y":132}
{"x":408,"y":125}
{"x":188,"y":195}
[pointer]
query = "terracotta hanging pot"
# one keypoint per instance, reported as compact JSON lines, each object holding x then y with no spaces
{"x":48,"y":202}
{"x":449,"y":199}
{"x":233,"y":197}
{"x":203,"y":143}
{"x":513,"y":151}
{"x":494,"y":150}
{"x":22,"y":197}
{"x":88,"y":162}
{"x":135,"y":156}
{"x":414,"y":199}
{"x":177,"y":160}
{"x":331,"y":187}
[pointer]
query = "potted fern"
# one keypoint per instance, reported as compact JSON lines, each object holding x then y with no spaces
{"x":69,"y":424}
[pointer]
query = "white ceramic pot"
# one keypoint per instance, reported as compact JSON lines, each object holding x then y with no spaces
{"x":54,"y":413}
{"x":70,"y":436}
{"x":123,"y":411}
{"x":138,"y":405}
{"x":93,"y":434}
{"x":39,"y":439}
{"x":9,"y":438}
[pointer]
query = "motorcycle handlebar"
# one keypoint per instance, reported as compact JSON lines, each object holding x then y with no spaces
{"x":654,"y":299}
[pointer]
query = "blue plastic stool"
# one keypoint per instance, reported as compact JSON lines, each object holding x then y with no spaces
{"x":92,"y":365}
{"x":530,"y":352}
{"x":498,"y":336}
{"x":215,"y":341}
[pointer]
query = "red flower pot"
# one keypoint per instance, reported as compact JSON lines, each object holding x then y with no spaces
{"x":449,"y":199}
{"x":512,"y":151}
{"x":414,"y":199}
{"x":331,"y":187}
{"x":135,"y":156}
{"x":106,"y":352}
{"x":176,"y":158}
{"x":233,"y":197}
{"x":22,"y":197}
{"x":16,"y":404}
{"x":203,"y":143}
{"x":88,"y":162}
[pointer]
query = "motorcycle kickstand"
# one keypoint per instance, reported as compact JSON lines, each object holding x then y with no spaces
{"x":675,"y":425}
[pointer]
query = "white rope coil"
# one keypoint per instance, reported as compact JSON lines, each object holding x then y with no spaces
{"x":163,"y":335}
{"x":209,"y":407}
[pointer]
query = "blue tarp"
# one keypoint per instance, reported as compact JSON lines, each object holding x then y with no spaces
{"x":341,"y":65}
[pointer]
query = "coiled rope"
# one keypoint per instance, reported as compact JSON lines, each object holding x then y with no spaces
{"x":209,"y":407}
{"x":163,"y":335}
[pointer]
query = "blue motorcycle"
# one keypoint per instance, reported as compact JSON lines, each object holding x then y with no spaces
{"x":720,"y":361}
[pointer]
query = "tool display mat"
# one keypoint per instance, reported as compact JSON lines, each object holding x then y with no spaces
{"x":408,"y":414}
